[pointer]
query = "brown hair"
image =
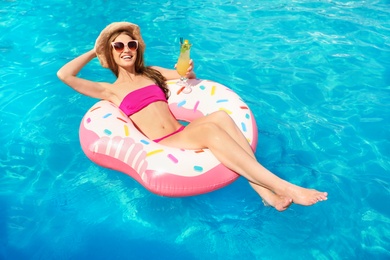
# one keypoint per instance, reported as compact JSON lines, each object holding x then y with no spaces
{"x":140,"y":67}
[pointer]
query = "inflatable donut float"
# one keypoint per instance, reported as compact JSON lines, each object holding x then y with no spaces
{"x":109,"y":138}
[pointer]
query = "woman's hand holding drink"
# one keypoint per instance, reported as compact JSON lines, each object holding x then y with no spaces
{"x":183,"y":63}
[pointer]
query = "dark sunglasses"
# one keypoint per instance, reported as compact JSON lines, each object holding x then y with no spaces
{"x":120,"y":46}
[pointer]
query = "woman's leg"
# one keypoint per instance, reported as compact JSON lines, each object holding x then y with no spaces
{"x":269,"y":197}
{"x":204,"y":133}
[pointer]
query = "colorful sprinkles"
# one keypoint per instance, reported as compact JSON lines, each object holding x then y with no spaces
{"x":120,"y":119}
{"x":243,"y":127}
{"x":226,"y":110}
{"x":154,"y":152}
{"x":93,"y":109}
{"x":173,"y":158}
{"x":180,"y":90}
{"x":198,"y":168}
{"x":144,"y":141}
{"x":222,"y":100}
{"x":203,"y":103}
{"x":196,"y":105}
{"x":212,"y":91}
{"x":126,"y":129}
{"x":181,"y":103}
{"x":107,"y":115}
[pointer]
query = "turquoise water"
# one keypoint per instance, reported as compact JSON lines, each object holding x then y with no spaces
{"x":316,"y":75}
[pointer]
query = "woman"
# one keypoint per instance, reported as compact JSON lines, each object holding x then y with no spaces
{"x":141,"y":93}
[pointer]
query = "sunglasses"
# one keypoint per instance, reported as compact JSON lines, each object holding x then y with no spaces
{"x":120,"y":46}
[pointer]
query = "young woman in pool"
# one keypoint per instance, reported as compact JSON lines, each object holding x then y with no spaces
{"x":141,"y":93}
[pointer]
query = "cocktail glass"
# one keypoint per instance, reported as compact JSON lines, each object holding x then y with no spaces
{"x":182,"y":65}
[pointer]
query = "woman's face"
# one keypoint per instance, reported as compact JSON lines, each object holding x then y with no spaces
{"x":125,"y":57}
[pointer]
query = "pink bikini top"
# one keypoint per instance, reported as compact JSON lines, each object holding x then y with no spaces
{"x":140,"y":98}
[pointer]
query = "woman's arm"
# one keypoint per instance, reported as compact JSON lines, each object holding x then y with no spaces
{"x":68,"y":74}
{"x":172,"y":74}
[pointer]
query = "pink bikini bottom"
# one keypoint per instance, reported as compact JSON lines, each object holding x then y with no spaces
{"x":162,"y":138}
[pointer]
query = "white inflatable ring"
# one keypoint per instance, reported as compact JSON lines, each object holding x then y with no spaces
{"x":109,"y":138}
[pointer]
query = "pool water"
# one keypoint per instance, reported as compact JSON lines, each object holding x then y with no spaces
{"x":316,"y":75}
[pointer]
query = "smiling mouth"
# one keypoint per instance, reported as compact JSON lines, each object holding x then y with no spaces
{"x":127,"y":57}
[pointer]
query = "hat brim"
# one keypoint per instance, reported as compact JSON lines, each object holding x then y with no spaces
{"x":106,"y":33}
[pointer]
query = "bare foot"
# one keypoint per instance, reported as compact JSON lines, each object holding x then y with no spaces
{"x":303,"y":196}
{"x":279,"y":202}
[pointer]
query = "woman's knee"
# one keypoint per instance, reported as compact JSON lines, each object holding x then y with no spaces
{"x":213,"y":133}
{"x":210,"y":127}
{"x":221,"y":117}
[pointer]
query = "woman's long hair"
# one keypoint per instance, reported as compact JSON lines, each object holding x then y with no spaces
{"x":140,"y":67}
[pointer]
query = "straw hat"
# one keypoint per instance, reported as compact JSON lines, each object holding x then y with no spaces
{"x":102,"y":39}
